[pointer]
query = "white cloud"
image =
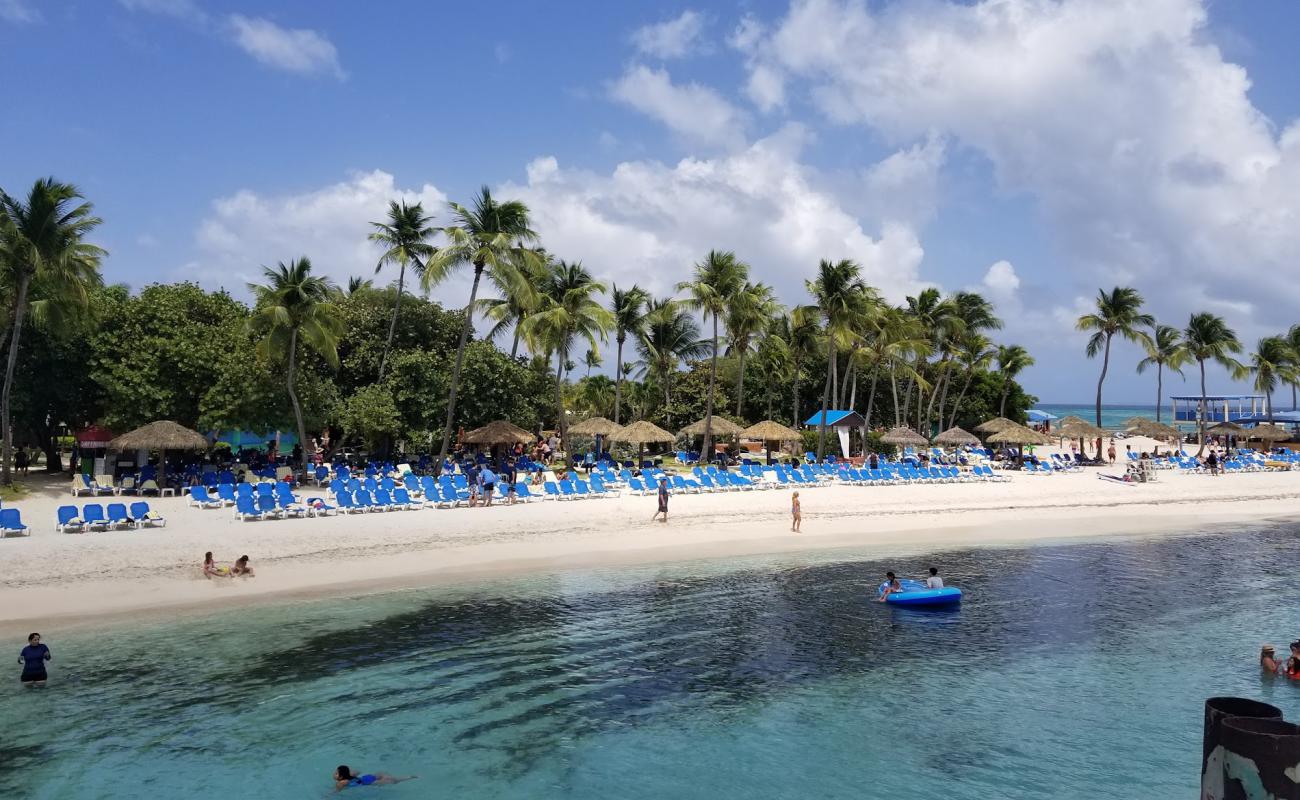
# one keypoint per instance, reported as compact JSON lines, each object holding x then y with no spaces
{"x":696,"y":113}
{"x":187,"y":10}
{"x":1001,"y":279}
{"x":1134,"y":136}
{"x":249,"y":229}
{"x":672,"y":38}
{"x":648,"y":222}
{"x":18,"y":12}
{"x":299,"y":50}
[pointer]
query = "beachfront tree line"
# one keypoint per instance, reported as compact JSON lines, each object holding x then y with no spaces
{"x":383,"y":365}
{"x":1207,"y":338}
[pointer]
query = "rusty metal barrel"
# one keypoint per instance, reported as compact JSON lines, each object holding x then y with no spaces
{"x":1260,"y":759}
{"x":1217,"y":709}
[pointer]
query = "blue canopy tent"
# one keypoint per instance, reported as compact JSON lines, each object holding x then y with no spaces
{"x":840,"y":422}
{"x":1038,"y":415}
{"x":248,"y":440}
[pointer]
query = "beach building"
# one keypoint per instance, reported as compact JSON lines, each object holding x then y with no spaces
{"x":1219,"y":407}
{"x":841,"y":422}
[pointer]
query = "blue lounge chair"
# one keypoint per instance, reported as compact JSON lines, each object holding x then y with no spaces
{"x":402,"y":499}
{"x":552,"y":491}
{"x":246,"y":509}
{"x":93,"y":514}
{"x":199,"y":497}
{"x":146,"y":516}
{"x":363,"y":499}
{"x":69,"y":520}
{"x":523,"y":495}
{"x":117,"y":516}
{"x":12,"y":522}
{"x":269,"y":508}
{"x":226,"y":493}
{"x":344,"y":499}
{"x":384,"y":501}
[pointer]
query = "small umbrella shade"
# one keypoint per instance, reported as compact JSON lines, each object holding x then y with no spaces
{"x":595,"y":426}
{"x":994,"y":425}
{"x":1076,"y":428}
{"x":956,"y":437}
{"x":769,"y":431}
{"x":1226,"y":429}
{"x":162,"y":435}
{"x":1018,"y":434}
{"x":498,"y":432}
{"x":641,"y":433}
{"x":1145,"y":426}
{"x":904,"y":437}
{"x":1268,"y":433}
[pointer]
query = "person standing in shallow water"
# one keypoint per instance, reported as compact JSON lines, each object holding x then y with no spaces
{"x":33,"y":658}
{"x":795,"y":512}
{"x":663,"y":501}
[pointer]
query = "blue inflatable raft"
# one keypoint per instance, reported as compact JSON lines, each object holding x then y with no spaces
{"x":915,"y":594}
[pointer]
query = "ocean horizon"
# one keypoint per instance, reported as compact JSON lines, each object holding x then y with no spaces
{"x":1113,"y":415}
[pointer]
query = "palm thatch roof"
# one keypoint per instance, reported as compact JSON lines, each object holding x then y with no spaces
{"x":956,"y":436}
{"x":1268,"y":433}
{"x":595,"y":426}
{"x":904,"y":437}
{"x":769,"y":431}
{"x":1018,"y":434}
{"x":994,"y":425}
{"x":642,"y":432}
{"x":1226,"y":429}
{"x":720,"y":425}
{"x":1076,"y":428}
{"x":498,"y":432}
{"x":1145,"y":426}
{"x":161,"y":435}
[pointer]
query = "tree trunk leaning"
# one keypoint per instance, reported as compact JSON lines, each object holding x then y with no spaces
{"x":455,"y":372}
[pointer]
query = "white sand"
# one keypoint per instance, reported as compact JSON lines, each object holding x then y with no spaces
{"x":55,"y":579}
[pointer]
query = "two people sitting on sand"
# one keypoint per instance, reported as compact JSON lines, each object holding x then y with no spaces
{"x":211,"y":569}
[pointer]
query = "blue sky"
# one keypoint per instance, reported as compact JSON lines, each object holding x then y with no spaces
{"x":1032,"y":149}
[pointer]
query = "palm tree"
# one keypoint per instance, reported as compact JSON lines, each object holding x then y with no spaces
{"x":975,"y":352}
{"x":1293,"y":342}
{"x":802,"y":334}
{"x":1271,"y":364}
{"x":568,"y":311}
{"x":492,"y":238}
{"x":1118,"y":313}
{"x":1208,"y":338}
{"x":42,"y":243}
{"x":976,"y":315}
{"x":842,"y":300}
{"x":591,"y":359}
{"x":295,"y":305}
{"x":750,"y":311}
{"x":671,"y":336}
{"x":405,"y":239}
{"x":1164,"y":351}
{"x":1012,"y":360}
{"x":940,"y":320}
{"x":894,"y":343}
{"x":628,"y":308}
{"x":717,"y":280}
{"x":519,"y":298}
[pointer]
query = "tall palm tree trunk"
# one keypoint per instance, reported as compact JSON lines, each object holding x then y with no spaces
{"x":1105,"y":365}
{"x":392,"y":324}
{"x":455,"y":371}
{"x":893,"y":387}
{"x":794,"y":394}
{"x":618,"y":380}
{"x":1200,"y":414}
{"x":514,"y":345}
{"x":853,"y":392}
{"x":705,"y":449}
{"x":740,"y":383}
{"x":940,"y":370}
{"x":1160,"y":391}
{"x":1006,"y":389}
{"x":826,"y":399}
{"x":956,"y":407}
{"x":871,"y":396}
{"x":293,"y":398}
{"x":559,"y":398}
{"x":20,"y":311}
{"x":1268,"y":401}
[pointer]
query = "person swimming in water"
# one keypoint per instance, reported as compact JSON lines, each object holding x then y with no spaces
{"x":345,"y":777}
{"x":891,"y":585}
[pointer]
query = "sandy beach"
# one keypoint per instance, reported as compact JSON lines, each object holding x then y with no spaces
{"x":59,"y":579}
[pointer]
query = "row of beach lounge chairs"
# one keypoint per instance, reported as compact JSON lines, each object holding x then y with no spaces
{"x":94,"y":517}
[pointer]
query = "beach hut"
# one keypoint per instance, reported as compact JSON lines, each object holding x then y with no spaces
{"x":769,"y":431}
{"x":956,"y":437}
{"x":904,"y":437}
{"x":641,"y":433}
{"x":91,"y":443}
{"x":162,"y":436}
{"x":841,"y":423}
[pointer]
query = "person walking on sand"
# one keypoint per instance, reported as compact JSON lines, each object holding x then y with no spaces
{"x":795,"y":512}
{"x":1110,"y":451}
{"x":33,"y":658}
{"x":663,"y":501}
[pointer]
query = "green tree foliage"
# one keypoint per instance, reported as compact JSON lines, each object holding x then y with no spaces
{"x":370,"y":414}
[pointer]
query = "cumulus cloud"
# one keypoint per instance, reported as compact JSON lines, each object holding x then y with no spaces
{"x":1001,"y":279}
{"x":696,"y":113}
{"x":18,"y":12}
{"x":299,"y":50}
{"x":649,"y":222}
{"x":249,"y":229}
{"x":674,"y":38}
{"x":1132,"y":133}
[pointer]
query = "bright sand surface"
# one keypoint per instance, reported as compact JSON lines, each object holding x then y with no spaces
{"x":57,"y":579}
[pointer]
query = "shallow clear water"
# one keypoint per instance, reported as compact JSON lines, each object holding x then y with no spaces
{"x":1075,"y":670}
{"x":1112,"y":416}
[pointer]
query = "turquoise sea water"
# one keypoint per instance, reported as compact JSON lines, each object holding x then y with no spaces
{"x":1073,"y":670}
{"x":1112,"y":416}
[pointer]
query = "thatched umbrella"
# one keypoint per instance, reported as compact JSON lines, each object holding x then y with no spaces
{"x":1019,"y":435}
{"x":162,"y":435}
{"x":1268,"y":433}
{"x":720,"y":426}
{"x":595,"y":426}
{"x":641,"y":433}
{"x":994,"y":425}
{"x":956,"y":437}
{"x":498,"y":432}
{"x":1226,"y":429}
{"x":1076,"y":428}
{"x":769,"y":431}
{"x":1145,"y":426}
{"x":904,"y":437}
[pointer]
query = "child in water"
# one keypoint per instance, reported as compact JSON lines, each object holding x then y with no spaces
{"x":345,"y":777}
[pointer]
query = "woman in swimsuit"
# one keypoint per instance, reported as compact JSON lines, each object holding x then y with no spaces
{"x":345,"y":777}
{"x":241,"y":567}
{"x":211,"y":570}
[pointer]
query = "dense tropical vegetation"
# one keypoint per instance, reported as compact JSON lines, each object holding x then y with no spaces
{"x":385,"y":367}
